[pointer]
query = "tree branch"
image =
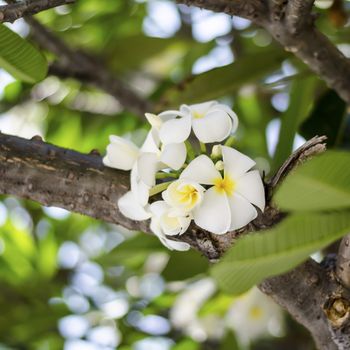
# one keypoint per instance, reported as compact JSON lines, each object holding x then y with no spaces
{"x":50,"y":175}
{"x":254,"y":10}
{"x":343,"y":261}
{"x":12,"y":12}
{"x":291,"y":24}
{"x":312,"y":295}
{"x":85,"y":68}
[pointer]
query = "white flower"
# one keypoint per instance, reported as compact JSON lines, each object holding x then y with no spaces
{"x":169,"y":221}
{"x":184,"y":194}
{"x":226,"y":204}
{"x":210,"y":121}
{"x":256,"y":312}
{"x":121,"y":153}
{"x":134,"y":204}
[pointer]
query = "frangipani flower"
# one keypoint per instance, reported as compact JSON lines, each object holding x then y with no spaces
{"x":226,"y":204}
{"x":184,"y":195}
{"x":169,"y":221}
{"x":258,"y":313}
{"x":123,"y":154}
{"x":210,"y":121}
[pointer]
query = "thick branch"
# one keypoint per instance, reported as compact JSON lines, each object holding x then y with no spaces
{"x":254,"y":10}
{"x":81,"y":66}
{"x":12,"y":12}
{"x":312,"y":295}
{"x":292,"y":26}
{"x":55,"y":176}
{"x":33,"y":169}
{"x":343,"y":261}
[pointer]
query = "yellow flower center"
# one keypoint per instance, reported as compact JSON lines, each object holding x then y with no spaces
{"x":197,"y":115}
{"x":224,"y":185}
{"x":255,"y":313}
{"x":188,"y":195}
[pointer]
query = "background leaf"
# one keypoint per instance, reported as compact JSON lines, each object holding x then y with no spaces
{"x":183,"y":265}
{"x":320,"y":184}
{"x":270,"y":253}
{"x":225,"y":80}
{"x":20,"y":58}
{"x":326,"y":118}
{"x":301,"y":100}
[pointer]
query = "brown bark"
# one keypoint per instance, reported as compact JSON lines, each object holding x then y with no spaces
{"x":12,"y":12}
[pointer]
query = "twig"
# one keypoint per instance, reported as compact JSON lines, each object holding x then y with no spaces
{"x":12,"y":12}
{"x":295,"y":31}
{"x":79,"y":65}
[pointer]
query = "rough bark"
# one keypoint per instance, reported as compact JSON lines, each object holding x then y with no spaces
{"x":12,"y":12}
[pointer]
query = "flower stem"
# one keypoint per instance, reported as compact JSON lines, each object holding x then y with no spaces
{"x":159,"y":188}
{"x":190,"y":151}
{"x":161,"y":175}
{"x":203,"y":147}
{"x":230,"y":141}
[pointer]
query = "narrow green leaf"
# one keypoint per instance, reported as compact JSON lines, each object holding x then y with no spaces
{"x":20,"y":58}
{"x":322,"y":183}
{"x":226,"y":80}
{"x":261,"y":255}
{"x":301,"y":100}
{"x":183,"y":265}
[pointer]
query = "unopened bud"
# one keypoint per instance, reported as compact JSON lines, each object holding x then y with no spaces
{"x":219,"y":165}
{"x":216,"y":151}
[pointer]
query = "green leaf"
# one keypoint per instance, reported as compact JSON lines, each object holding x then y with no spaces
{"x":226,"y":80}
{"x":301,"y":100}
{"x":326,"y":118}
{"x":183,"y":265}
{"x":229,"y":342}
{"x":320,"y":184}
{"x":261,"y":255}
{"x":20,"y":58}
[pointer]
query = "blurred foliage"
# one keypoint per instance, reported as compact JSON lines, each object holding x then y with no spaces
{"x":71,"y":282}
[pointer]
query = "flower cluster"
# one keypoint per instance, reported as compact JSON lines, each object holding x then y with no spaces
{"x":175,"y":179}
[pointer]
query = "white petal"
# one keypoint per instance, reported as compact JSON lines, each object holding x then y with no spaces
{"x":158,"y":208}
{"x":138,"y":187}
{"x":173,"y":245}
{"x":185,"y":223}
{"x":121,"y":154}
{"x":175,"y":130}
{"x":198,"y":108}
{"x":174,"y":225}
{"x":154,"y":120}
{"x":242,"y":212}
{"x":174,"y":155}
{"x":231,"y":113}
{"x":151,"y":143}
{"x":129,"y":207}
{"x":147,"y":166}
{"x":215,"y":126}
{"x":168,"y":115}
{"x":201,"y":170}
{"x":251,"y":187}
{"x":180,"y":195}
{"x":236,"y":163}
{"x":155,"y":226}
{"x":213,"y":214}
